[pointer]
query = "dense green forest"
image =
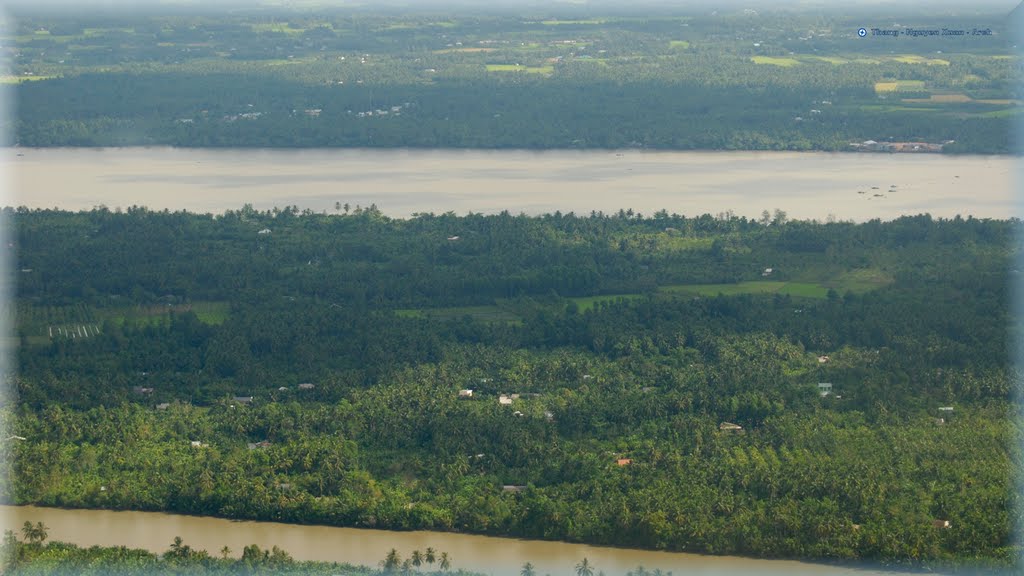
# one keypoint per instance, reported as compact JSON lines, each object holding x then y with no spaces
{"x":711,"y":384}
{"x":541,"y":78}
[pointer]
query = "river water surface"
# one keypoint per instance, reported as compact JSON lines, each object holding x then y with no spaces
{"x":497,"y":556}
{"x":402,"y":182}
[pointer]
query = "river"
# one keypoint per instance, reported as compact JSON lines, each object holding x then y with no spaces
{"x":807,"y":185}
{"x":498,"y":556}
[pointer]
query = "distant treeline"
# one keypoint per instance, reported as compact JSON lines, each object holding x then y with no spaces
{"x":217,"y":110}
{"x":555,"y":77}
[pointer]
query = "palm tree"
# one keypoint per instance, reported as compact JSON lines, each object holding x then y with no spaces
{"x":417,"y":558}
{"x":406,"y":566}
{"x":225,"y":552}
{"x":35,"y":534}
{"x":528,"y":570}
{"x":445,"y":562}
{"x":584,"y":568}
{"x":392,"y":561}
{"x":429,"y":556}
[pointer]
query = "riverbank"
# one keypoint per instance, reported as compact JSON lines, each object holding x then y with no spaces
{"x":154,"y":532}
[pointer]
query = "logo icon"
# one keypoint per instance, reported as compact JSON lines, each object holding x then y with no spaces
{"x":862,"y":32}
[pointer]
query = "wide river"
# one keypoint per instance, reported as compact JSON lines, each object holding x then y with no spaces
{"x":497,"y":556}
{"x":403,"y":182}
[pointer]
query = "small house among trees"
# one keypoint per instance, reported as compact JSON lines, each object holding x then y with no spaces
{"x":730,"y":427}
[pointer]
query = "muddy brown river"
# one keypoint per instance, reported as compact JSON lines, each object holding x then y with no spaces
{"x":497,"y":556}
{"x":403,"y":182}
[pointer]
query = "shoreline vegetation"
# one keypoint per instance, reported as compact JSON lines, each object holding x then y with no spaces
{"x":33,"y":555}
{"x":612,"y":379}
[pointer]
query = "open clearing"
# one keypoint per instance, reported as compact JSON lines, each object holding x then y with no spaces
{"x":914,"y":59}
{"x":484,"y":313}
{"x":784,"y":62}
{"x":802,"y":289}
{"x":207,"y":312}
{"x":520,"y":68}
{"x":899,"y":86}
{"x":942,"y":99}
{"x":587,"y":302}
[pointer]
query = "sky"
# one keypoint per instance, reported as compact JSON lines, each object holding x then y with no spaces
{"x":1007,"y":5}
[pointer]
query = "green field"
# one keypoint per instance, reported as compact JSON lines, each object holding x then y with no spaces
{"x":592,"y":22}
{"x":282,"y":27}
{"x":211,"y":312}
{"x":801,"y":289}
{"x":20,"y":79}
{"x":914,"y":59}
{"x":899,"y":86}
{"x":678,"y":44}
{"x":860,"y":280}
{"x":520,"y":68}
{"x":1002,"y":113}
{"x":830,"y":59}
{"x":484,"y":313}
{"x":587,"y":302}
{"x":784,"y":62}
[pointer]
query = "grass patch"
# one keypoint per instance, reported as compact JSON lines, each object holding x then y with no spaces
{"x":20,"y":79}
{"x":520,"y":68}
{"x":830,"y":59}
{"x":899,"y":86}
{"x":1002,"y":113}
{"x":464,"y":50}
{"x":999,"y":102}
{"x":799,"y":289}
{"x":280,"y":27}
{"x":211,"y":312}
{"x":103,"y":31}
{"x":942,"y":99}
{"x":592,"y":21}
{"x":588,"y":302}
{"x":784,"y":62}
{"x":207,"y":312}
{"x":914,"y":59}
{"x":681,"y":44}
{"x":482,"y":313}
{"x":860,"y":280}
{"x":892,"y":108}
{"x":686,"y":243}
